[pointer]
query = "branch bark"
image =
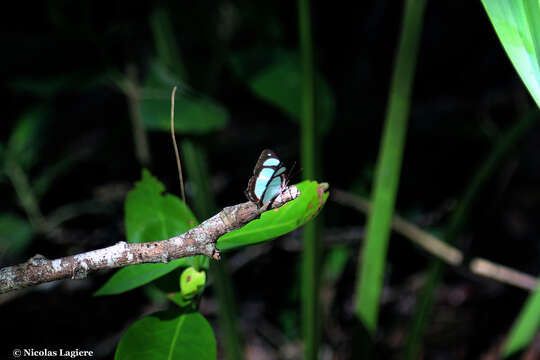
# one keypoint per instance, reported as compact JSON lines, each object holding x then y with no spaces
{"x":201,"y":240}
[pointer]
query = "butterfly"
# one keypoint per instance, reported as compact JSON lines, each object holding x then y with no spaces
{"x":268,"y":180}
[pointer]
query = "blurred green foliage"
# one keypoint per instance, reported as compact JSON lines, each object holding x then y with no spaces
{"x":15,"y":235}
{"x":275,"y":77}
{"x":194,"y":113}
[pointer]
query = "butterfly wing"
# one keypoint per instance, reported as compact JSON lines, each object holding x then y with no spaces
{"x":273,"y":189}
{"x":268,"y":179}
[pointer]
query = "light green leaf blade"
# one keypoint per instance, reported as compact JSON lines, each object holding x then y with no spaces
{"x":525,"y":327}
{"x":134,"y":276}
{"x":193,"y":114}
{"x":370,"y":273}
{"x":168,"y":335}
{"x":517,"y":25}
{"x":151,"y":215}
{"x":279,"y":221}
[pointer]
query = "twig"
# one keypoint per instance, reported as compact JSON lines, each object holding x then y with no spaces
{"x":440,"y":249}
{"x":201,"y":240}
{"x":177,"y":155}
{"x":503,"y":274}
{"x":422,"y":238}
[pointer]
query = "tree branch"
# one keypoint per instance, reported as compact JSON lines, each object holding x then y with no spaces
{"x":425,"y":240}
{"x":440,"y":249}
{"x":201,"y":240}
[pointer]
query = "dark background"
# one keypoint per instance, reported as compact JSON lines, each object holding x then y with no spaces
{"x":466,"y":93}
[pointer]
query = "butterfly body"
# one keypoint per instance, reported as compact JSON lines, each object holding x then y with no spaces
{"x":268,"y":180}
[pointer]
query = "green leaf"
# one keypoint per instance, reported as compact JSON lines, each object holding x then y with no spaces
{"x":25,"y":139}
{"x":279,"y":221}
{"x":151,"y":215}
{"x":15,"y":235}
{"x":246,"y":64}
{"x":279,"y":84}
{"x":171,"y":334}
{"x":526,"y":325}
{"x":134,"y":276}
{"x":194,"y":114}
{"x":154,"y":215}
{"x":517,"y":25}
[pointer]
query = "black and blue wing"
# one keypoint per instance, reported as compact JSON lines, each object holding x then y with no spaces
{"x":268,"y":180}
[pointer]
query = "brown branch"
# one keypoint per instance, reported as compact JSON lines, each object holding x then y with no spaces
{"x":503,"y":274}
{"x":425,"y":240}
{"x":440,"y":249}
{"x":201,"y":240}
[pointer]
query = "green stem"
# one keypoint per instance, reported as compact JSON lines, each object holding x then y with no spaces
{"x":373,"y":255}
{"x":232,"y":345}
{"x":310,"y":254}
{"x":308,"y":91}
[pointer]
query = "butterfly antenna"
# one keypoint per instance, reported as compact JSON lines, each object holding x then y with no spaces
{"x":178,"y":163}
{"x":292,"y":174}
{"x":292,"y":168}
